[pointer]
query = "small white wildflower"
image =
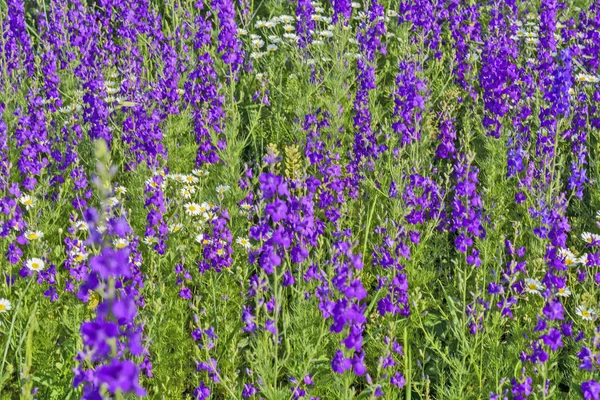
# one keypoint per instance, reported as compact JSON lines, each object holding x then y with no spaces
{"x":34,"y":235}
{"x":586,"y":313}
{"x":590,"y":237}
{"x":151,"y":240}
{"x":192,"y":209}
{"x":533,"y":286}
{"x":121,"y":243}
{"x":175,"y":228}
{"x":35,"y":264}
{"x":5,"y":305}
{"x":243,"y":242}
{"x":27,"y":201}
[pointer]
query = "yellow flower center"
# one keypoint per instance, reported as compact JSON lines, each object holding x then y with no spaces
{"x":35,"y":266}
{"x":2,"y":307}
{"x":568,"y":261}
{"x":32,"y":236}
{"x":585,"y":313}
{"x":192,"y":208}
{"x":28,"y":202}
{"x":79,"y":257}
{"x":121,"y":245}
{"x":533,"y":286}
{"x":176,"y":229}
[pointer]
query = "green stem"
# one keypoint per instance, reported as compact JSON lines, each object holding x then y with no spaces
{"x":10,"y":331}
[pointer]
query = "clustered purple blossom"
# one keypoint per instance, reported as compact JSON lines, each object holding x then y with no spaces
{"x":113,"y":334}
{"x":305,"y":25}
{"x":202,"y":94}
{"x":229,"y":45}
{"x":409,"y":103}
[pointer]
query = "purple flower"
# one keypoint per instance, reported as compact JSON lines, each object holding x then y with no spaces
{"x":553,"y":339}
{"x":120,"y":375}
{"x":398,"y":380}
{"x":340,"y":364}
{"x":591,"y":390}
{"x":111,"y":263}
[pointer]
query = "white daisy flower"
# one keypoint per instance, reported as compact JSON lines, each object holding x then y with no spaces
{"x":590,"y":237}
{"x":175,"y":228}
{"x":192,"y":209}
{"x":582,"y":260}
{"x":150,"y":182}
{"x":260,"y":24}
{"x":112,"y":201}
{"x":201,"y":239}
{"x":151,"y":240}
{"x":121,"y":243}
{"x":286,"y":19}
{"x":258,"y":43}
{"x":205,"y":207}
{"x":533,"y":286}
{"x":319,"y":10}
{"x":190,"y":188}
{"x":190,"y":179}
{"x":27,"y":201}
{"x":222,"y":189}
{"x":289,"y":28}
{"x":209,"y":216}
{"x":179,"y":178}
{"x":472,"y":57}
{"x":563,"y":292}
{"x":290,"y":36}
{"x":274,"y":39}
{"x":256,"y":55}
{"x":34,"y":235}
{"x":568,"y":257}
{"x":185,"y":193}
{"x":35,"y":264}
{"x":246,"y":206}
{"x":392,"y":13}
{"x":272,"y":48}
{"x":242,"y":32}
{"x":598,"y":215}
{"x":586,"y":313}
{"x":326,"y":34}
{"x":270,"y":24}
{"x":120,"y":190}
{"x":79,"y":257}
{"x":5,"y":305}
{"x":355,"y":5}
{"x":586,"y":78}
{"x":243,"y":242}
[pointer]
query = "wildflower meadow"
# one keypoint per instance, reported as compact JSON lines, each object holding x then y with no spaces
{"x":283,"y":200}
